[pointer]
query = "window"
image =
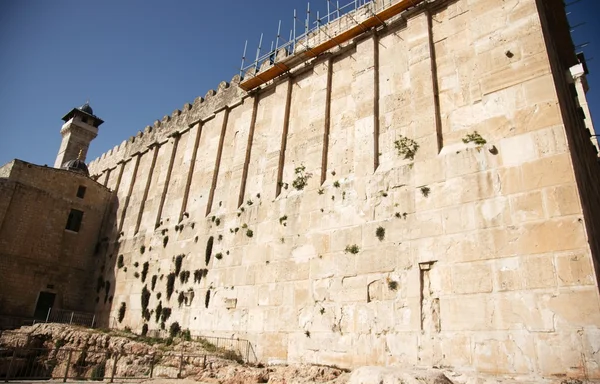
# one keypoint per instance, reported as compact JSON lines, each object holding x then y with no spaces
{"x":74,"y":220}
{"x":81,"y":191}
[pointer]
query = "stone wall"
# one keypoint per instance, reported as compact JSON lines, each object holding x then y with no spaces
{"x":469,"y":255}
{"x":36,"y":252}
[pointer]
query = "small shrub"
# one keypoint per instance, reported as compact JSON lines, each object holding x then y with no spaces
{"x":353,"y":249}
{"x":307,"y":333}
{"x":174,"y":329}
{"x":220,"y":237}
{"x":425,"y":191}
{"x":98,"y":372}
{"x":122,"y":310}
{"x":153,"y":282}
{"x":249,"y":202}
{"x":474,"y":137}
{"x":136,"y":274}
{"x":170,"y":284}
{"x":406,"y":147}
{"x":249,"y":233}
{"x":125,"y":269}
{"x":165,"y":241}
{"x":145,"y":271}
{"x":321,"y":191}
{"x":398,"y":215}
{"x":186,"y":335}
{"x":301,"y":178}
{"x":322,"y":310}
{"x":136,"y":264}
{"x":282,"y":219}
{"x":380,"y":233}
{"x":219,"y":256}
{"x":392,"y":285}
{"x":158,"y":295}
{"x":142,"y":249}
{"x":120,"y":262}
{"x":217,"y":222}
{"x":336,"y":184}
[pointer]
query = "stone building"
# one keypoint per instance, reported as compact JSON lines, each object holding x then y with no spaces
{"x":50,"y":222}
{"x":420,"y":189}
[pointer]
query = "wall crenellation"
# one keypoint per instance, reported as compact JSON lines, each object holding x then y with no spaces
{"x":202,"y":108}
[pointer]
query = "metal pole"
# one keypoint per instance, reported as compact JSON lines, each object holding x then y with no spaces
{"x":68,"y":364}
{"x":11,"y":364}
{"x":180,"y":366}
{"x":306,"y":23}
{"x":258,"y":52}
{"x":294,"y":44}
{"x":204,"y":362}
{"x":277,"y":40}
{"x":48,"y":315}
{"x":152,"y":364}
{"x":93,"y":320}
{"x":338,"y":8}
{"x":114,"y":370}
{"x":243,"y":60}
{"x":328,"y":1}
{"x":71,"y":321}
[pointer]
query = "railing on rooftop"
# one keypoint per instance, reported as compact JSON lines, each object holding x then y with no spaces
{"x":318,"y":35}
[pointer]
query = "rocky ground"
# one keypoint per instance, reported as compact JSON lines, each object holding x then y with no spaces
{"x":94,"y":353}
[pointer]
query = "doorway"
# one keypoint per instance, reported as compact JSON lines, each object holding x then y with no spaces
{"x":44,"y":303}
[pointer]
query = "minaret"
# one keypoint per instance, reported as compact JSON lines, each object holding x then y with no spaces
{"x":78,"y":131}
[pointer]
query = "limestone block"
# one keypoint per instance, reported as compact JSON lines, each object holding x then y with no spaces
{"x":517,"y":150}
{"x":562,"y":200}
{"x":472,"y":278}
{"x":402,"y":347}
{"x":527,"y":207}
{"x":389,"y":375}
{"x":574,"y":268}
{"x":459,"y":218}
{"x":506,"y":354}
{"x":558,"y":353}
{"x":538,"y":271}
{"x":381,"y":259}
{"x":492,"y":212}
{"x":521,"y":311}
{"x":507,"y":274}
{"x":466,"y":312}
{"x":429,"y":171}
{"x":548,"y":172}
{"x":457,"y":349}
{"x":341,"y":238}
{"x":572,"y":308}
{"x":353,"y":289}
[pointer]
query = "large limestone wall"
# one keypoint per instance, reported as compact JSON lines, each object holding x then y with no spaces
{"x":485,"y":261}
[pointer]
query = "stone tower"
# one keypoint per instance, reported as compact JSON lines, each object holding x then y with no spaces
{"x":80,"y":128}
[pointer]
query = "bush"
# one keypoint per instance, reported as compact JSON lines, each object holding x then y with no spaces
{"x":406,"y":147}
{"x":122,"y":310}
{"x":98,"y":372}
{"x":249,"y":233}
{"x":353,"y":249}
{"x":380,"y":233}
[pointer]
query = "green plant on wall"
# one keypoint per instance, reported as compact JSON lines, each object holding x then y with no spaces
{"x":142,"y":249}
{"x":282,"y":220}
{"x":353,"y":249}
{"x":219,"y":256}
{"x":301,"y":179}
{"x":406,"y":147}
{"x":380,"y":233}
{"x":249,"y":233}
{"x":425,"y":190}
{"x":475,"y":138}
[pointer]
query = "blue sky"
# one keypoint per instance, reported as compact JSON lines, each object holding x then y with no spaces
{"x":138,"y":60}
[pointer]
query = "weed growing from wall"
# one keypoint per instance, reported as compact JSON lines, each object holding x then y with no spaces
{"x":474,"y":137}
{"x":142,"y":249}
{"x":136,"y":275}
{"x":392,"y":285}
{"x":406,"y":147}
{"x":301,"y":179}
{"x":170,"y":285}
{"x":353,"y":249}
{"x":380,"y":233}
{"x":336,"y":184}
{"x":425,"y":191}
{"x":122,"y":310}
{"x":136,"y":264}
{"x":249,"y":233}
{"x":282,"y":220}
{"x":219,"y":256}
